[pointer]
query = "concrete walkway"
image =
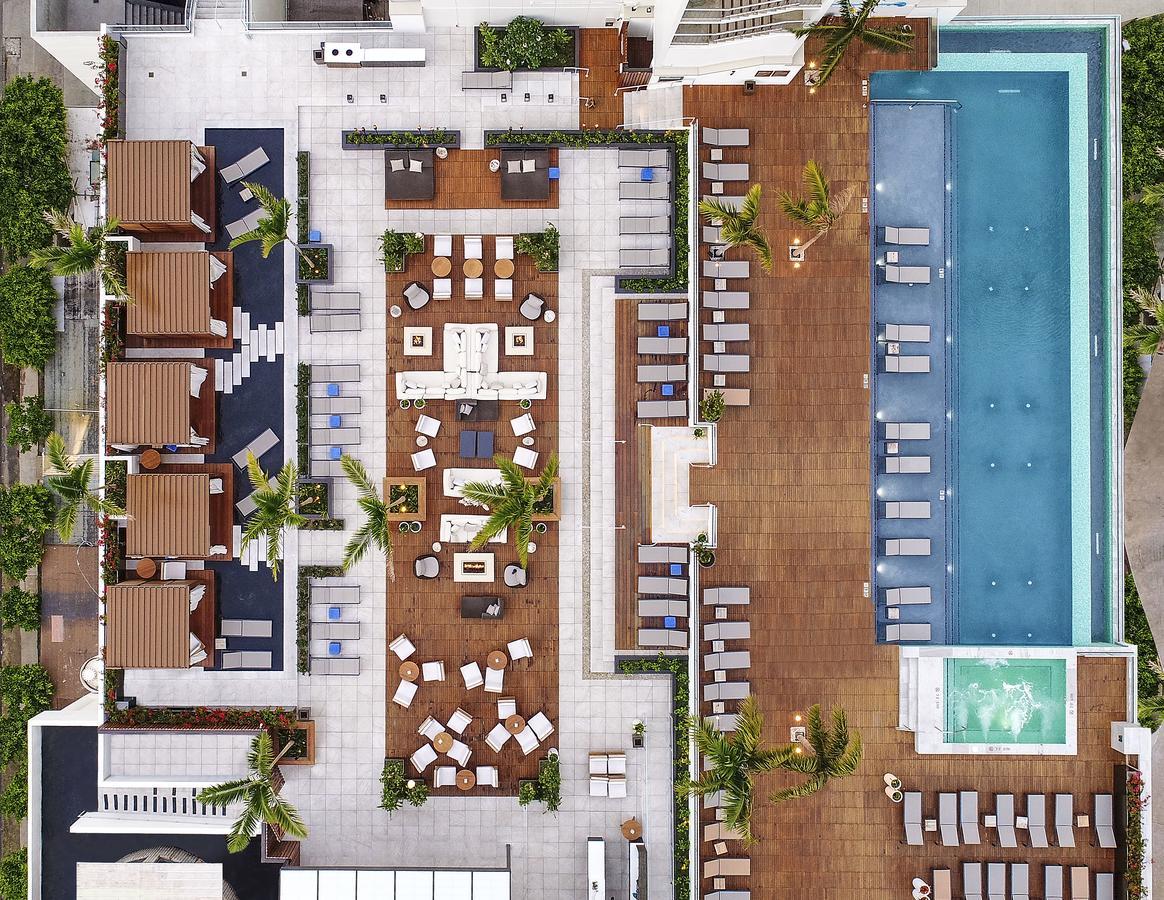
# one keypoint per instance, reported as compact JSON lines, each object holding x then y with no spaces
{"x":1129,"y":9}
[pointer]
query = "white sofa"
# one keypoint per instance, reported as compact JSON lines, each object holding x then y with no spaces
{"x":452,"y":479}
{"x":469,"y":371}
{"x":462,"y":529}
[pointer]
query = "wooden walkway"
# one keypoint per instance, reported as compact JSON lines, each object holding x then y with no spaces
{"x":792,"y":488}
{"x":463,"y":181}
{"x":429,"y":611}
{"x":599,"y":53}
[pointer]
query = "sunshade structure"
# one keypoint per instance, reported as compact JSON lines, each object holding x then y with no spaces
{"x":148,"y":624}
{"x":161,"y":190}
{"x":176,"y":294}
{"x":169,"y":515}
{"x":148,"y":881}
{"x":148,"y":403}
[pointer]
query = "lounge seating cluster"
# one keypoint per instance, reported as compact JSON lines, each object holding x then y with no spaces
{"x":671,"y":378}
{"x":895,"y":272}
{"x":663,"y":598}
{"x":332,"y":604}
{"x":608,"y":774}
{"x":646,"y":196}
{"x":470,"y":371}
{"x":334,"y":431}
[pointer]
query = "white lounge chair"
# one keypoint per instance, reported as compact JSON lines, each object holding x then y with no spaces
{"x":908,"y":631}
{"x":541,"y":725}
{"x":907,"y":547}
{"x":1080,"y":883}
{"x":258,"y":447}
{"x":918,"y":334}
{"x":1004,"y":815}
{"x":519,"y":649}
{"x":1104,"y":821}
{"x":996,"y":881}
{"x":506,"y":707}
{"x":402,"y":647}
{"x":433,"y":670}
{"x":446,"y":776}
{"x":497,"y":737}
{"x":907,"y":596}
{"x":1065,"y":820}
{"x":1019,"y":881}
{"x":948,"y":818}
{"x":494,"y":680}
{"x":968,"y":810}
{"x":906,"y":509}
{"x":907,"y":465}
{"x":430,"y":728}
{"x":423,"y":758}
{"x":460,"y":752}
{"x":912,"y":236}
{"x":527,"y":740}
{"x":405,"y":692}
{"x":486,"y":776}
{"x":1052,"y":883}
{"x":907,"y":431}
{"x":913,"y":364}
{"x":1037,"y":820}
{"x":503,"y":247}
{"x":972,"y":880}
{"x":910,"y":275}
{"x":471,"y":672}
{"x":442,"y":245}
{"x":459,"y":721}
{"x":912,"y":816}
{"x":250,"y":163}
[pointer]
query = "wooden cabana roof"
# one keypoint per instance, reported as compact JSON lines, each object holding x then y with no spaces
{"x":148,"y":182}
{"x":169,"y":515}
{"x":148,"y":403}
{"x":170,"y":291}
{"x":147,"y":624}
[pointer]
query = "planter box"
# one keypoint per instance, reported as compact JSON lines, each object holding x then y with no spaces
{"x":418,"y":139}
{"x":396,"y":515}
{"x":575,"y":34}
{"x":308,"y":727}
{"x":324,"y":277}
{"x":326,"y":512}
{"x":556,"y":495}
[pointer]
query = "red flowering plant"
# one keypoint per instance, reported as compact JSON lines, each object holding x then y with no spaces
{"x":108,"y":80}
{"x":1137,"y":803}
{"x":112,"y":336}
{"x":112,"y":552}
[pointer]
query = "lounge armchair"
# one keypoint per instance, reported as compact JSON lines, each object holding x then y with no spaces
{"x":473,"y":247}
{"x":726,"y":137}
{"x":996,"y":881}
{"x":405,"y":693}
{"x":910,"y":275}
{"x":474,"y":288}
{"x":1065,"y":820}
{"x":471,"y":672}
{"x":487,"y":776}
{"x":913,"y":334}
{"x":256,"y":628}
{"x":948,"y":819}
{"x":912,"y":817}
{"x":527,"y":740}
{"x":515,"y":576}
{"x":415,"y":295}
{"x":494,"y":681}
{"x":912,"y":631}
{"x":907,"y":431}
{"x":442,"y":288}
{"x":460,"y":752}
{"x":906,"y":509}
{"x":918,"y":364}
{"x":433,"y":670}
{"x":531,"y":307}
{"x":1019,"y":881}
{"x":402,"y":647}
{"x":907,"y":465}
{"x":1052,"y":883}
{"x":424,"y":459}
{"x":446,"y":776}
{"x":503,"y":247}
{"x":430,"y":728}
{"x":1037,"y":820}
{"x":506,"y":707}
{"x":503,"y":289}
{"x":910,"y":596}
{"x":497,"y":737}
{"x":972,"y":880}
{"x":1104,"y":821}
{"x":442,"y":245}
{"x":249,"y":164}
{"x":246,"y":659}
{"x":968,"y":809}
{"x":913,"y":236}
{"x":519,"y":649}
{"x":541,"y":725}
{"x":423,"y":758}
{"x":1004,"y":813}
{"x":427,"y":566}
{"x":459,"y":721}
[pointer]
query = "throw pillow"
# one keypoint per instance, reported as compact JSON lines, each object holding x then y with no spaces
{"x":396,"y":165}
{"x":513,"y":166}
{"x":527,"y":165}
{"x":414,"y":165}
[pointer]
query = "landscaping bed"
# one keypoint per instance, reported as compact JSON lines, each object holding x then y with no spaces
{"x":362,"y":139}
{"x":303,"y":611}
{"x":525,"y":45}
{"x":313,"y":498}
{"x":406,"y":499}
{"x":314,"y":264}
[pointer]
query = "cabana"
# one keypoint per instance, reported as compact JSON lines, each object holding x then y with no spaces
{"x":162,"y":190}
{"x":159,"y":624}
{"x":179,"y":299}
{"x":153,"y":404}
{"x":170,"y":514}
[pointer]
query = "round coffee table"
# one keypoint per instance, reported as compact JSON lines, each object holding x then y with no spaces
{"x":473,"y":268}
{"x":409,"y":671}
{"x":146,"y":568}
{"x":466,"y":780}
{"x":150,"y":459}
{"x":632,"y":830}
{"x":497,"y":660}
{"x":394,"y":311}
{"x":421,"y":440}
{"x":441,"y":266}
{"x":443,"y":742}
{"x":550,"y":315}
{"x":494,"y":165}
{"x":527,"y":441}
{"x":514,"y":724}
{"x":503,"y":268}
{"x":436,"y":546}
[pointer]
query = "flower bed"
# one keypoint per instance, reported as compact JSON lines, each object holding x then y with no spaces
{"x":108,"y":86}
{"x":1137,"y":803}
{"x":406,"y":499}
{"x":362,"y":139}
{"x":112,"y":333}
{"x":676,"y":667}
{"x":525,"y":45}
{"x":395,"y":248}
{"x":313,"y":264}
{"x":116,"y":472}
{"x":112,"y":550}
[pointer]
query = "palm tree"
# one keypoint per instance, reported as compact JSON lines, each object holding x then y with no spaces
{"x":511,"y":503}
{"x":71,"y":481}
{"x":273,"y":226}
{"x":1146,"y":337}
{"x":741,"y":227}
{"x":853,"y":25}
{"x":835,"y":754}
{"x":736,"y":758}
{"x":259,"y":795}
{"x":376,"y":530}
{"x":82,"y":251}
{"x":820,"y":210}
{"x":274,"y":500}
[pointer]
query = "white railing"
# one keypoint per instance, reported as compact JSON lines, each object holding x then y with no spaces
{"x":185,"y":25}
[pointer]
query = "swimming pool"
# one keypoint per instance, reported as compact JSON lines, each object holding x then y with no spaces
{"x":991,"y":701}
{"x":1018,"y":393}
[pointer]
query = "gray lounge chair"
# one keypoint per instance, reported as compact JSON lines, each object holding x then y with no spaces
{"x":335,"y":301}
{"x":649,"y":374}
{"x":1052,"y":883}
{"x":732,"y":396}
{"x":486,"y":81}
{"x":895,"y":363}
{"x":1065,"y":820}
{"x":662,"y":553}
{"x":712,"y":234}
{"x":324,"y":322}
{"x":912,"y":596}
{"x":247,"y":504}
{"x":967,"y":800}
{"x":662,"y":345}
{"x":335,"y":406}
{"x":416,"y":296}
{"x":996,"y":881}
{"x":914,"y":236}
{"x":911,"y":809}
{"x":727,"y":362}
{"x":662,"y":409}
{"x":660,"y":606}
{"x":907,"y":431}
{"x":644,"y":259}
{"x":948,"y":818}
{"x":726,"y":300}
{"x":661,"y":312}
{"x":1019,"y":881}
{"x":662,"y":637}
{"x":726,"y":137}
{"x":1104,"y":821}
{"x":642,"y":159}
{"x":727,"y":631}
{"x":652,"y":584}
{"x":644,"y":225}
{"x":335,"y":437}
{"x":1004,"y":815}
{"x":727,"y":596}
{"x":1080,"y":883}
{"x":726,"y":171}
{"x":427,"y":566}
{"x":727,"y":268}
{"x":335,"y":631}
{"x":902,"y":334}
{"x":972,"y":880}
{"x":257,"y":628}
{"x":326,"y":468}
{"x":644,"y":190}
{"x":907,"y":547}
{"x":335,"y":373}
{"x":907,"y":274}
{"x":908,"y":631}
{"x":907,"y":465}
{"x":1037,"y":820}
{"x":730,"y":659}
{"x":941,"y":883}
{"x":1104,"y":886}
{"x":532,"y":307}
{"x":258,"y":447}
{"x":726,"y":690}
{"x":906,"y":509}
{"x":244,"y":225}
{"x":730,"y":202}
{"x":515,"y":576}
{"x":246,"y":659}
{"x":250,"y":163}
{"x":730,"y":331}
{"x":335,"y":594}
{"x":335,"y":665}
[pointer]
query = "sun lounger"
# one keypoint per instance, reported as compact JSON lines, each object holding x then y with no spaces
{"x":657,"y":374}
{"x":895,"y":363}
{"x":727,"y":268}
{"x":324,"y":322}
{"x":650,"y":259}
{"x":907,"y":509}
{"x":726,"y":171}
{"x":996,"y":881}
{"x":943,"y":890}
{"x":730,"y":202}
{"x":662,"y":345}
{"x":729,"y":659}
{"x":660,"y":606}
{"x":662,"y":409}
{"x":258,"y":447}
{"x":643,"y":159}
{"x":1052,"y":883}
{"x":972,"y":880}
{"x":908,"y":596}
{"x":644,"y":225}
{"x":335,"y":665}
{"x":909,"y":631}
{"x":727,"y":631}
{"x":1019,"y":881}
{"x":335,"y":631}
{"x":907,"y":431}
{"x":727,"y":362}
{"x":244,"y":225}
{"x":1104,"y":821}
{"x":246,"y":659}
{"x":726,"y":300}
{"x":731,"y":396}
{"x":726,"y":690}
{"x":967,"y":800}
{"x":644,"y":190}
{"x":907,"y":274}
{"x":1004,"y":814}
{"x":907,"y":465}
{"x":1065,"y":820}
{"x":258,"y":628}
{"x":912,"y":812}
{"x":726,"y":596}
{"x":1037,"y":819}
{"x":1104,"y":886}
{"x":914,"y":334}
{"x":335,"y":594}
{"x":1080,"y":883}
{"x":726,"y":137}
{"x":947,"y":819}
{"x":915,"y":236}
{"x":335,"y":373}
{"x":661,"y":312}
{"x":727,"y":866}
{"x":335,"y":406}
{"x":712,"y":234}
{"x":662,"y":553}
{"x":651,"y":584}
{"x":252,"y":162}
{"x":248,"y":504}
{"x":907,"y":547}
{"x":662,"y":637}
{"x":335,"y":301}
{"x":335,"y":437}
{"x":729,"y":331}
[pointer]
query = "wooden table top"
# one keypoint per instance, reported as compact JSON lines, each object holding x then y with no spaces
{"x":503,"y":268}
{"x":146,"y":568}
{"x":409,"y":671}
{"x":473,"y":268}
{"x":514,"y":724}
{"x":632,"y":830}
{"x":443,"y":742}
{"x":150,"y":459}
{"x":441,"y":266}
{"x":497,"y":660}
{"x":466,"y":780}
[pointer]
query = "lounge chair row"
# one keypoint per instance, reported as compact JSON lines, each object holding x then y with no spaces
{"x":996,"y":882}
{"x":919,"y":363}
{"x":335,"y":311}
{"x":644,"y":224}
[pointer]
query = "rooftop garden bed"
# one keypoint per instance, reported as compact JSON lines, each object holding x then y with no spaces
{"x":313,"y":264}
{"x":396,"y":247}
{"x":549,"y":508}
{"x":303,"y":416}
{"x":541,"y":247}
{"x":108,"y":85}
{"x":406,"y":498}
{"x":313,"y":498}
{"x":546,"y":788}
{"x":525,"y":45}
{"x":116,"y":472}
{"x":363,"y":139}
{"x":303,"y":222}
{"x":394,"y":789}
{"x":112,"y":545}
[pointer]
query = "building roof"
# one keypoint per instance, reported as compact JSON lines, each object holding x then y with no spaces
{"x":147,"y":624}
{"x":170,"y":291}
{"x":169,"y":515}
{"x":148,"y":402}
{"x":146,"y":881}
{"x":148,"y":181}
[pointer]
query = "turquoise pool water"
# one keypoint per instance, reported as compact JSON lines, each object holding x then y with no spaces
{"x":997,"y":701}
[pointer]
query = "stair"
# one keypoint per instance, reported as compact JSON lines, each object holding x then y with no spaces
{"x":150,"y":12}
{"x":714,"y":21}
{"x":219,"y":10}
{"x":158,"y":801}
{"x":907,"y":693}
{"x":263,"y":343}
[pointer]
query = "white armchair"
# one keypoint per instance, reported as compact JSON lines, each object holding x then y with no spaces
{"x":519,"y":649}
{"x":497,"y":737}
{"x":459,"y":721}
{"x":433,"y":671}
{"x":541,"y":725}
{"x":405,"y":694}
{"x":446,"y":776}
{"x":527,"y":740}
{"x":442,"y":245}
{"x":423,"y":758}
{"x":494,"y":680}
{"x":471,"y":672}
{"x":460,"y":752}
{"x":486,"y":776}
{"x":430,"y":728}
{"x":473,"y":247}
{"x":402,"y":647}
{"x":504,"y":247}
{"x":506,"y":707}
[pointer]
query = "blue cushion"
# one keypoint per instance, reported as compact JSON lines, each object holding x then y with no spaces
{"x":333,"y":390}
{"x":334,"y":421}
{"x":314,"y":237}
{"x":676,"y":568}
{"x":485,"y":444}
{"x":555,"y":173}
{"x":468,"y":444}
{"x":333,"y":612}
{"x":335,"y":452}
{"x":668,"y":621}
{"x":334,"y":648}
{"x":668,"y":390}
{"x":664,"y":331}
{"x":648,"y":174}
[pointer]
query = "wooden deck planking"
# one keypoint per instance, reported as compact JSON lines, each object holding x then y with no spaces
{"x":599,"y":53}
{"x":429,"y":611}
{"x":463,"y":181}
{"x":792,"y":491}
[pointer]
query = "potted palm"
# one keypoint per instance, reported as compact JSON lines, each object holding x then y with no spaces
{"x":274,"y":509}
{"x":314,"y":263}
{"x":1146,"y":337}
{"x":512,"y":502}
{"x":819,"y":211}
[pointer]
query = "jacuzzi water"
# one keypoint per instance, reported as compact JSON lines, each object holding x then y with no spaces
{"x":997,"y":701}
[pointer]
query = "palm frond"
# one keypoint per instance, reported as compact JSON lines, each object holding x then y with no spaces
{"x":358,"y":475}
{"x":816,"y":184}
{"x":225,"y":794}
{"x":244,"y":827}
{"x":750,"y":205}
{"x":54,"y":451}
{"x":804,"y":789}
{"x":887,"y":41}
{"x":487,"y":493}
{"x":358,"y":546}
{"x":245,"y":238}
{"x":65,"y":523}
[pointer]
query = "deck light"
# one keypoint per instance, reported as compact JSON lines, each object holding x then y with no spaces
{"x":797,"y":717}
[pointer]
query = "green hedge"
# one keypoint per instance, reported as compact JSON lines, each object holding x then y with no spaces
{"x":34,"y":169}
{"x":14,"y":875}
{"x":20,"y":609}
{"x":28,"y":329}
{"x":26,"y":512}
{"x":1143,"y":103}
{"x":436,"y":138}
{"x":28,"y":423}
{"x":1138,"y":632}
{"x":302,"y":416}
{"x":25,"y":691}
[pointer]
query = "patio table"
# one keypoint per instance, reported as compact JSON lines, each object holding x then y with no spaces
{"x":443,"y":742}
{"x":466,"y":780}
{"x":503,"y":268}
{"x":409,"y":671}
{"x":497,"y":660}
{"x":441,"y":266}
{"x":473,"y":268}
{"x":514,"y":724}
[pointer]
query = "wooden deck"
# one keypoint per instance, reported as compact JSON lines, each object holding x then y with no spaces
{"x":792,"y":488}
{"x":429,"y":611}
{"x":598,"y":52}
{"x":463,"y":181}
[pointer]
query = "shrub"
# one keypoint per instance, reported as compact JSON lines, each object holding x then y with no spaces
{"x":20,"y":609}
{"x":108,"y":80}
{"x":28,"y":330}
{"x":436,"y":138}
{"x":14,"y":875}
{"x":1143,"y":103}
{"x":28,"y":423}
{"x":303,"y":611}
{"x":302,"y":415}
{"x":711,"y":407}
{"x":14,"y":797}
{"x":1138,"y":632}
{"x":396,"y":246}
{"x":25,"y":690}
{"x":541,"y":247}
{"x":34,"y":172}
{"x":525,"y":43}
{"x":1141,"y":261}
{"x":25,"y":515}
{"x":394,"y":788}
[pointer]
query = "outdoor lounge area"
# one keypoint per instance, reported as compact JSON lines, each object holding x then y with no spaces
{"x":153,"y":404}
{"x":161,"y":624}
{"x":180,"y":512}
